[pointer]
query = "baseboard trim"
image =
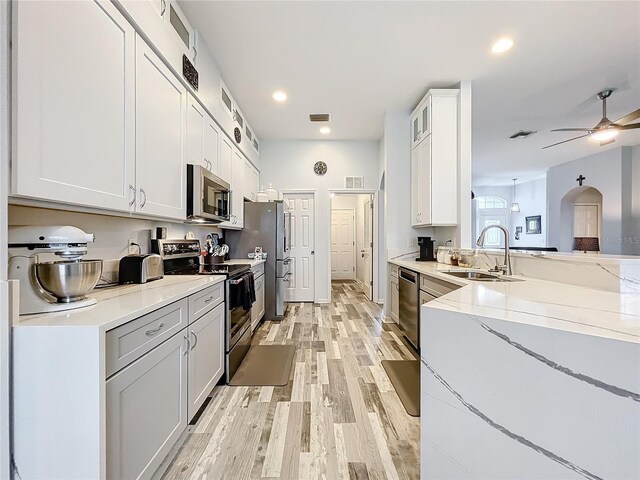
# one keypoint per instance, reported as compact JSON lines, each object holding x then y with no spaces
{"x":323,"y":300}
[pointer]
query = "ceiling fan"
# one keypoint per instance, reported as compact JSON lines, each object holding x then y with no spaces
{"x":605,"y":131}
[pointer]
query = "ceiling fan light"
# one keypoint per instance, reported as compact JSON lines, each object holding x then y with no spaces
{"x":605,"y":134}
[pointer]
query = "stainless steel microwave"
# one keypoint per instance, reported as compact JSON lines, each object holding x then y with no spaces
{"x":208,"y":196}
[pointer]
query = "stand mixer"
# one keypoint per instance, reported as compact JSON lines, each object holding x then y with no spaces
{"x":52,"y":286}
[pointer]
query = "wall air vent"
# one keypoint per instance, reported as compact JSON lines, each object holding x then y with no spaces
{"x":319,"y":117}
{"x":523,"y":134}
{"x":354,"y":183}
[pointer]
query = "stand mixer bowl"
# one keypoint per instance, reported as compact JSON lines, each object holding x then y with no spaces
{"x":70,"y":280}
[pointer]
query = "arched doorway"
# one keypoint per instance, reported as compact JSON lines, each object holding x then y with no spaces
{"x":581,"y":220}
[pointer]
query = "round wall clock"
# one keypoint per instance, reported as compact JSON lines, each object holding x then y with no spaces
{"x":320,"y":168}
{"x":238,"y":134}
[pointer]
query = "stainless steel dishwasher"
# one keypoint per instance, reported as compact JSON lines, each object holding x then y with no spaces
{"x":409,"y":317}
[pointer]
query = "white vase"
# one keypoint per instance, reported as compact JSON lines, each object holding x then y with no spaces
{"x":272,"y":193}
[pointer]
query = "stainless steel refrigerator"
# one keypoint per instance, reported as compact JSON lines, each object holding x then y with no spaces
{"x":266,"y":225}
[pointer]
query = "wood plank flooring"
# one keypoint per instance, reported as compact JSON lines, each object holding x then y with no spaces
{"x":338,"y":418}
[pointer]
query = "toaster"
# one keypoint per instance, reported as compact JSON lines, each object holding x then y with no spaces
{"x":140,"y":268}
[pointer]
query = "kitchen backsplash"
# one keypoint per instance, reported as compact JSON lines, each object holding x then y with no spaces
{"x":112,"y":233}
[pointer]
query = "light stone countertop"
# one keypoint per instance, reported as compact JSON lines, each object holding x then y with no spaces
{"x":123,"y":303}
{"x":535,"y":302}
{"x":120,"y":304}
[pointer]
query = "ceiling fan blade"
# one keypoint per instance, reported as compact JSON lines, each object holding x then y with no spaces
{"x":630,"y":126}
{"x":565,"y":141}
{"x":629,"y":117}
{"x":572,"y":130}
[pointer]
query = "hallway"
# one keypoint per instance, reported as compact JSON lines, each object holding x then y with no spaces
{"x":339,"y":416}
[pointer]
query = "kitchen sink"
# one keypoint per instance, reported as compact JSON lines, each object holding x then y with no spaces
{"x":480,"y":276}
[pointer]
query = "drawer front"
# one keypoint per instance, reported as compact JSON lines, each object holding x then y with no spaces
{"x":394,"y":270}
{"x":435,"y":286}
{"x":201,"y":302}
{"x":130,"y":341}
{"x":258,"y":270}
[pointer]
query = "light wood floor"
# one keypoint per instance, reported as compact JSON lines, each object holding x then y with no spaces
{"x":339,"y":416}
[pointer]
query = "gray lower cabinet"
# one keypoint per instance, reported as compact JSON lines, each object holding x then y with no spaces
{"x":146,"y":405}
{"x":395,"y":299}
{"x":257,"y":310}
{"x":206,"y":356}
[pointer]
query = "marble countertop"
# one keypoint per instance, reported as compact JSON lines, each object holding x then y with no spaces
{"x":541,"y":303}
{"x":123,"y":303}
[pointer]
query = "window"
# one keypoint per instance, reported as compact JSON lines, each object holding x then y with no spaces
{"x":226,"y":100}
{"x":179,"y":27}
{"x":491,"y":201}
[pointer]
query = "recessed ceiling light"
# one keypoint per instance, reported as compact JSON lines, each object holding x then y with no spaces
{"x":279,"y":96}
{"x":502,"y":45}
{"x":325,"y":130}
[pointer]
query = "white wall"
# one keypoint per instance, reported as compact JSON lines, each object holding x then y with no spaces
{"x":631,"y":213}
{"x":400,"y":237}
{"x":532,"y":198}
{"x":610,"y":172}
{"x":112,"y":233}
{"x":5,"y":322}
{"x":288,"y":164}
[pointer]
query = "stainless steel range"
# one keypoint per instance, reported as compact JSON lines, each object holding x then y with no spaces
{"x":182,"y":257}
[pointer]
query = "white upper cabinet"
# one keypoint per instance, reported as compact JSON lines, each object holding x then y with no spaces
{"x":166,"y":26}
{"x":238,"y":189}
{"x":161,"y":105}
{"x":226,"y":158}
{"x":203,"y":138}
{"x":74,"y":130}
{"x":421,"y":121}
{"x":251,"y":181}
{"x":434,"y":160}
{"x":195,"y":133}
{"x":211,"y":149}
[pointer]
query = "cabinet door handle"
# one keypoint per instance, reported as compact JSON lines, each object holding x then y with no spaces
{"x":132,"y":189}
{"x":144,"y":196}
{"x":153,"y":331}
{"x":195,"y":340}
{"x":207,"y":300}
{"x":163,"y":8}
{"x":188,"y":345}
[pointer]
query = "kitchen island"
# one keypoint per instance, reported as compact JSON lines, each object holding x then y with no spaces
{"x":529,"y":379}
{"x":105,"y":391}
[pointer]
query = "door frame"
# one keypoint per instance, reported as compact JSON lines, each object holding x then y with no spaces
{"x":375,"y":238}
{"x":314,"y":192}
{"x":355,"y":240}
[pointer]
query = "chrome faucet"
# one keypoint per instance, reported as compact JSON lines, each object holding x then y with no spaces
{"x":506,"y":268}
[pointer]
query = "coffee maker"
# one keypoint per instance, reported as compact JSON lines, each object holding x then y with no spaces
{"x":427,"y":250}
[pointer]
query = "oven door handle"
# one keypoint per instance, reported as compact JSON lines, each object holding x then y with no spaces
{"x":236,"y":282}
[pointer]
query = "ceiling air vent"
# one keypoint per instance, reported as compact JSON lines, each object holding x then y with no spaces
{"x":319,"y":117}
{"x":354,"y":182}
{"x":523,"y":134}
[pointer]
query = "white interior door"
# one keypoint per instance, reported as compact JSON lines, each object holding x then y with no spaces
{"x":302,"y":281}
{"x":367,"y":250}
{"x":585,"y":221}
{"x":343,"y":244}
